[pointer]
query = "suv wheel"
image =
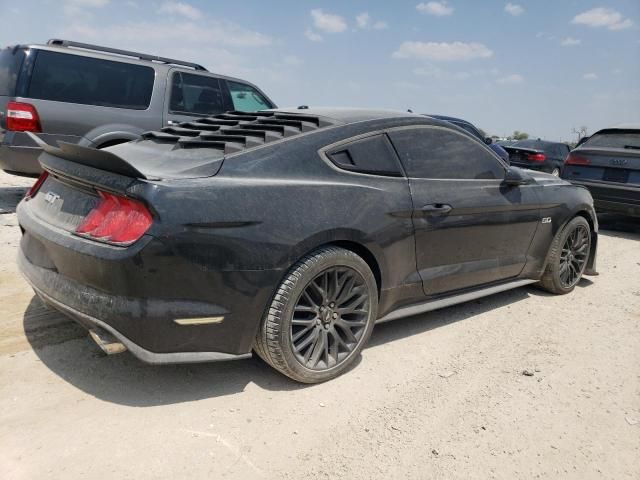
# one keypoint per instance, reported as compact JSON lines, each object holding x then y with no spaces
{"x":321,"y":316}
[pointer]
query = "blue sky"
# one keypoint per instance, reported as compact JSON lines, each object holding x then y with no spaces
{"x":540,"y":66}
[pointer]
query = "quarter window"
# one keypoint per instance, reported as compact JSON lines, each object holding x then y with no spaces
{"x":444,"y":154}
{"x":195,"y":94}
{"x":245,"y":98}
{"x":373,"y":155}
{"x":71,"y":78}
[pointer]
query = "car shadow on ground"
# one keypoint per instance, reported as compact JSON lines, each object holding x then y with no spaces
{"x":68,"y":352}
{"x":10,"y":197}
{"x":619,"y":226}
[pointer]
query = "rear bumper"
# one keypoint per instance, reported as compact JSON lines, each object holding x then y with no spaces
{"x":164,"y":305}
{"x":19,"y":153}
{"x":610,"y":198}
{"x":20,"y":160}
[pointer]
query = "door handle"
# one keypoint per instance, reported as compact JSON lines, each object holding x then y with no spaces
{"x":172,"y":122}
{"x":435,"y":209}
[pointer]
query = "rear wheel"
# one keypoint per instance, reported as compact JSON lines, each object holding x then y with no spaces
{"x":568,"y":257}
{"x":321,"y":316}
{"x":555,"y":172}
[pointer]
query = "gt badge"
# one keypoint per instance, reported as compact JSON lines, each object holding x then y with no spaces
{"x":51,"y":197}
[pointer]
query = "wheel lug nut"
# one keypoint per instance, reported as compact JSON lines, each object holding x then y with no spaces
{"x":335,"y":315}
{"x":332,"y":304}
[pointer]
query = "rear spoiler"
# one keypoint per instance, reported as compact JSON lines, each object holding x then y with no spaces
{"x":513,"y":148}
{"x":91,"y":157}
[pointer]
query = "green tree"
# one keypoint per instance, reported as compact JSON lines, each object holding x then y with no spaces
{"x":518,"y":135}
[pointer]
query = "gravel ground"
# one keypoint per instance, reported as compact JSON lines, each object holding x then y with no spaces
{"x":441,"y":395}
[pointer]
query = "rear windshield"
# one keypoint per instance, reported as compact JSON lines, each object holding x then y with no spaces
{"x":10,"y":63}
{"x":70,"y":78}
{"x":615,"y":140}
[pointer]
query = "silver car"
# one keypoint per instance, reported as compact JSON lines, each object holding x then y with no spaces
{"x":98,"y":97}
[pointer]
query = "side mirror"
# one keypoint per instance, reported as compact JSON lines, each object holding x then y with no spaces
{"x":488,"y":140}
{"x":514,"y":177}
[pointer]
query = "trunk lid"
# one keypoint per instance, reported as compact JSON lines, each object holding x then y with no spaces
{"x":521,"y":155}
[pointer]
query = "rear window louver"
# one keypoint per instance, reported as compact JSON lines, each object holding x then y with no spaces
{"x":234,"y":131}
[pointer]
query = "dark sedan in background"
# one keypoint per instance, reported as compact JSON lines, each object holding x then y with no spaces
{"x":608,"y":164}
{"x":538,"y":154}
{"x":290,"y":233}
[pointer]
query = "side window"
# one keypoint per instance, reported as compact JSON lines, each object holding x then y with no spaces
{"x":372,"y":155}
{"x":442,"y":153}
{"x":195,"y":94}
{"x":245,"y":98}
{"x":71,"y":78}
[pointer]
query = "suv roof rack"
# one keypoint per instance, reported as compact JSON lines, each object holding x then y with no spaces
{"x":142,"y":56}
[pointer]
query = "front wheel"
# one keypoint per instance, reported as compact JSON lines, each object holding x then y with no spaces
{"x":321,"y":316}
{"x":568,"y":257}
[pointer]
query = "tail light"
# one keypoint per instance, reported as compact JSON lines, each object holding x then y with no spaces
{"x":573,"y":159}
{"x":22,"y":117}
{"x":536,"y":157}
{"x":117,"y":220}
{"x":36,"y":186}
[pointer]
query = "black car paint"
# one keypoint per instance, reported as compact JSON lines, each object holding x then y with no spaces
{"x":265,"y":209}
{"x":555,"y":154}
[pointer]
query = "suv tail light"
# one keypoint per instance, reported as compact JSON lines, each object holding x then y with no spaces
{"x":117,"y":220}
{"x":536,"y":157}
{"x":36,"y":186}
{"x":573,"y":159}
{"x":22,"y":117}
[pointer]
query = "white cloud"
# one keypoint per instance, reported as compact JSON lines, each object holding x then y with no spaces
{"x":364,"y":22}
{"x":180,"y":8}
{"x":545,"y":35}
{"x":439,"y":9}
{"x":590,"y":76}
{"x":570,"y":42}
{"x":81,"y":8}
{"x":513,"y":9}
{"x":313,"y":36}
{"x":512,"y":79}
{"x":442,"y":51}
{"x":363,"y":19}
{"x":602,"y":17}
{"x":328,"y":22}
{"x":429,"y":71}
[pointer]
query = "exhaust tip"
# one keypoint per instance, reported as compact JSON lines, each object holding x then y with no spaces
{"x":107,"y":342}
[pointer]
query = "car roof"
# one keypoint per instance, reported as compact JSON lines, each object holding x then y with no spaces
{"x":622,"y":126}
{"x":348,"y":114}
{"x":448,"y":119}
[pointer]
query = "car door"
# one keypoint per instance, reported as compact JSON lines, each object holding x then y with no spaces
{"x":470,"y":228}
{"x":192,"y":95}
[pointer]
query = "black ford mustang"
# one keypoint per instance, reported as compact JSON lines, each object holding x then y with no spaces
{"x":290,"y":233}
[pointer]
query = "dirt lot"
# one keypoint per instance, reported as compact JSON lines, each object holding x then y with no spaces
{"x":435,"y":396}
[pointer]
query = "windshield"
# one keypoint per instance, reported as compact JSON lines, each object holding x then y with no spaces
{"x":630,"y":140}
{"x":10,"y":63}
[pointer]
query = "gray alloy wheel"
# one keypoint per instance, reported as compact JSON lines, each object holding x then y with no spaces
{"x":321,"y":316}
{"x":568,"y":257}
{"x":555,"y":172}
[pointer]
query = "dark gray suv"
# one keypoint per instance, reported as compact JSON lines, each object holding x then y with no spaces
{"x":98,"y":96}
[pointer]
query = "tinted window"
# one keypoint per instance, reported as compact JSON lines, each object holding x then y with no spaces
{"x":90,"y":81}
{"x":245,"y":98}
{"x":10,"y":64}
{"x":370,"y":155}
{"x":441,"y":153}
{"x":615,"y":140}
{"x":195,"y":94}
{"x":470,"y":129}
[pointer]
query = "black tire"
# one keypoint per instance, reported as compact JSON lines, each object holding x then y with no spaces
{"x":568,"y":257}
{"x":336,"y":330}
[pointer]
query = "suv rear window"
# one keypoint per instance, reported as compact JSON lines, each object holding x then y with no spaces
{"x":195,"y":94}
{"x":615,"y":140}
{"x":10,"y":63}
{"x":71,"y":78}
